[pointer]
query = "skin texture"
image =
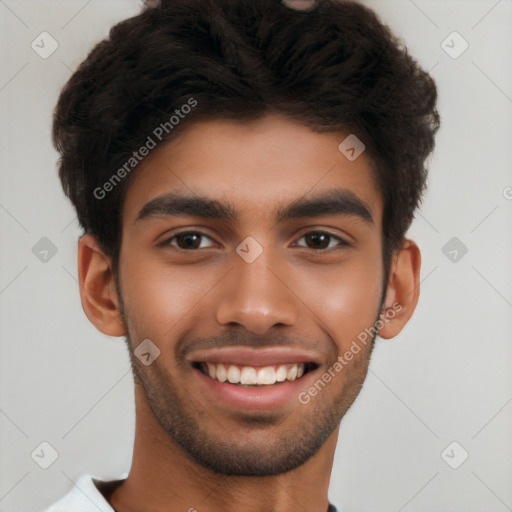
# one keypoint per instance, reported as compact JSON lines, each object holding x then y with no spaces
{"x":191,"y":450}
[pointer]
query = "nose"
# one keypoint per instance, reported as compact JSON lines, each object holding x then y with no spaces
{"x":257,"y":295}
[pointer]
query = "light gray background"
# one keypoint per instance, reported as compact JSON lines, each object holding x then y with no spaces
{"x":447,"y":377}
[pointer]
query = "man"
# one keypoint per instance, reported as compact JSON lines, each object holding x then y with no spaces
{"x":245,"y":173}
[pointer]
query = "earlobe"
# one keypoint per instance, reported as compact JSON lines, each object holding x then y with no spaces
{"x":98,"y":291}
{"x":403,"y":290}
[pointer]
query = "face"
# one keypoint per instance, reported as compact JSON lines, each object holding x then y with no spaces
{"x":251,"y":251}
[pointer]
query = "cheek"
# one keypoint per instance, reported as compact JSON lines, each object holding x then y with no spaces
{"x":347,"y":300}
{"x":157,"y":298}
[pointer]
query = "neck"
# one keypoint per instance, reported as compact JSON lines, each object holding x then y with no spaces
{"x":162,"y":475}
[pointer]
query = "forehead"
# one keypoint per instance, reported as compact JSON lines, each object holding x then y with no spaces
{"x":257,"y":167}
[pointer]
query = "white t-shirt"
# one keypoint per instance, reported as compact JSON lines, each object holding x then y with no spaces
{"x":83,"y":497}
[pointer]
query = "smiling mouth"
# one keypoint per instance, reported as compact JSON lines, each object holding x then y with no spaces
{"x":254,"y":376}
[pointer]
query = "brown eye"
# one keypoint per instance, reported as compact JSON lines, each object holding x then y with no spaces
{"x":322,"y":240}
{"x":187,"y":240}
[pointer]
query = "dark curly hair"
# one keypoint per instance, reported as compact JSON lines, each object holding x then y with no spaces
{"x":335,"y":67}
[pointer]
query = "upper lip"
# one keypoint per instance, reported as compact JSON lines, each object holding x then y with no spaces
{"x":244,"y":356}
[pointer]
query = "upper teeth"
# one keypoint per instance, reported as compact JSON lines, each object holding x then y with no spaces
{"x":251,"y":375}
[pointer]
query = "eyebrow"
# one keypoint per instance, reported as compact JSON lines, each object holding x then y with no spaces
{"x":331,"y":202}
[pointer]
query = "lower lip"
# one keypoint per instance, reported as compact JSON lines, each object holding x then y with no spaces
{"x":262,"y":397}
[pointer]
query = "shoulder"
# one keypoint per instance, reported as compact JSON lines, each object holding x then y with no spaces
{"x":84,"y":496}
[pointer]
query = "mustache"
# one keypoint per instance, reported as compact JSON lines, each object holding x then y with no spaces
{"x":251,"y":340}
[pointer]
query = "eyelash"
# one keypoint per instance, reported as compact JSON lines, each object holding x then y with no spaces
{"x":341,"y":242}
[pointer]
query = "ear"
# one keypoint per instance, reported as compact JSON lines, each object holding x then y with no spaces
{"x":98,"y":288}
{"x":403,"y":290}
